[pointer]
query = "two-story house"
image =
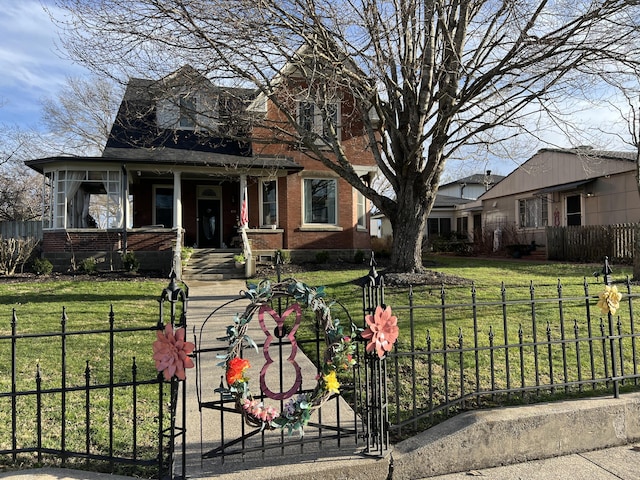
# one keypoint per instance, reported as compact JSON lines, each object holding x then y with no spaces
{"x":182,"y":167}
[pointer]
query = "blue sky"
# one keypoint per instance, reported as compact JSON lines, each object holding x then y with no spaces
{"x":31,"y":68}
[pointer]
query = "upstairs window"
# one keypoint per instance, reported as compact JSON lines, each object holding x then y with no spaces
{"x":319,"y":120}
{"x":188,"y":109}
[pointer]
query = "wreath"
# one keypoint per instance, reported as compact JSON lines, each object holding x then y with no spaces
{"x":338,"y":357}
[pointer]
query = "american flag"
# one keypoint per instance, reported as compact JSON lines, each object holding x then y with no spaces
{"x":244,"y":210}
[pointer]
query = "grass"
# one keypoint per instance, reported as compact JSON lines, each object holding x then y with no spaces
{"x":38,"y":307}
{"x":485,"y":320}
{"x":86,"y":304}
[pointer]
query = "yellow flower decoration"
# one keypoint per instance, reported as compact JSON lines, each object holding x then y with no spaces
{"x":331,"y":383}
{"x":609,"y":300}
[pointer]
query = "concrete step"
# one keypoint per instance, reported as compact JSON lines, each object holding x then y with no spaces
{"x":209,"y":264}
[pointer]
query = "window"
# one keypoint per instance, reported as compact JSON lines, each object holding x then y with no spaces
{"x":269,"y":202}
{"x":438,"y":226}
{"x":361,"y":211}
{"x":319,"y":120}
{"x":320,"y":201}
{"x":574,"y":210}
{"x":533,"y":212}
{"x":187,"y":111}
{"x":83,"y":199}
{"x":462,"y":225}
{"x":163,"y":206}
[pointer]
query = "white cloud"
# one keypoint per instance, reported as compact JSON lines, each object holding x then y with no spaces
{"x":31,"y":65}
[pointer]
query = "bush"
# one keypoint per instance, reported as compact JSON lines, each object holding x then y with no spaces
{"x":381,"y":246}
{"x":130,"y":262}
{"x":358,"y":257}
{"x":89,"y":265}
{"x":42,"y":266}
{"x":322,"y":257}
{"x":15,"y":252}
{"x":185,"y":255}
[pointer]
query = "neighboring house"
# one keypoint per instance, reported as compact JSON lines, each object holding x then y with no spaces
{"x":444,"y":217}
{"x":556,"y":187}
{"x":174,"y":173}
{"x":470,"y":187}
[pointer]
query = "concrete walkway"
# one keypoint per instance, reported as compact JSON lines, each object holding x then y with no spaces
{"x":579,"y":439}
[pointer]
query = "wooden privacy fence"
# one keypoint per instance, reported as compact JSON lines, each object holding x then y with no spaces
{"x":592,"y":243}
{"x":15,"y":229}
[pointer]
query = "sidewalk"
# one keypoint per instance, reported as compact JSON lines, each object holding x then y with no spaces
{"x":473,"y":440}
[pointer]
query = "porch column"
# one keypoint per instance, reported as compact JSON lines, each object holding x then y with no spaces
{"x":177,"y":200}
{"x":177,"y":224}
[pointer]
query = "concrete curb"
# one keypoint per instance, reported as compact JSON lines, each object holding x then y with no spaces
{"x":502,"y":436}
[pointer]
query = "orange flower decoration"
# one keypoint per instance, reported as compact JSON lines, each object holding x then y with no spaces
{"x":235,"y":370}
{"x":171,"y":352}
{"x":382,"y":331}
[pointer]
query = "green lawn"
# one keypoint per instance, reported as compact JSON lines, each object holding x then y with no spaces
{"x":492,"y":307}
{"x":86,"y":305}
{"x":39,"y":307}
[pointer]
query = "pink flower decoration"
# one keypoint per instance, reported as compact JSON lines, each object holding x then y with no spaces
{"x":382,"y":331}
{"x":171,"y":352}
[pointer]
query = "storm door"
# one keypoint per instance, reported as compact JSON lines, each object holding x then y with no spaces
{"x":209,"y":217}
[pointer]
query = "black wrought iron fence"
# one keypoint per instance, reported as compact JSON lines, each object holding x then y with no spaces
{"x":462,"y":348}
{"x":111,"y":413}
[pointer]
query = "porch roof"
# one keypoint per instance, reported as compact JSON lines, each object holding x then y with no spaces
{"x":172,"y":157}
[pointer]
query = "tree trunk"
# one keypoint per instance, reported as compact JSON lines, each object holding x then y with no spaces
{"x":408,"y":230}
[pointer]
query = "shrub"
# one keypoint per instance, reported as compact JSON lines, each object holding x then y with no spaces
{"x":89,"y":265}
{"x":381,"y":246}
{"x":185,"y":255}
{"x":358,"y":257}
{"x":15,"y":252}
{"x":322,"y":257}
{"x":130,"y":262}
{"x":42,"y":266}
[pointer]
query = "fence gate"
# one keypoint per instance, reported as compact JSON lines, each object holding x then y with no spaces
{"x":261,"y":397}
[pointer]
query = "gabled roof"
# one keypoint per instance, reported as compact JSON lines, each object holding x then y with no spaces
{"x":549,"y":168}
{"x":447,"y":201}
{"x":476,"y":179}
{"x":136,"y":124}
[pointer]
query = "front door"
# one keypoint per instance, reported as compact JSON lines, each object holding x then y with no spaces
{"x":209,"y":223}
{"x":574,"y":210}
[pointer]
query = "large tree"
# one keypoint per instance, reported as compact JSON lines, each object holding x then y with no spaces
{"x":430,"y":78}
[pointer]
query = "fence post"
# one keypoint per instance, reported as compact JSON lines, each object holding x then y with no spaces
{"x":376,"y":405}
{"x":174,"y":295}
{"x":606,"y":273}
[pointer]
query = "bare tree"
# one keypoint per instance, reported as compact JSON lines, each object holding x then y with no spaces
{"x":20,"y":189}
{"x":78,"y":120}
{"x":430,"y":78}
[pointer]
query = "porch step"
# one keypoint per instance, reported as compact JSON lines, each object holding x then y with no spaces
{"x":211,"y":264}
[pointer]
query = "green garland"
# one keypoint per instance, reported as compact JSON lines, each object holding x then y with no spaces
{"x":338,"y":356}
